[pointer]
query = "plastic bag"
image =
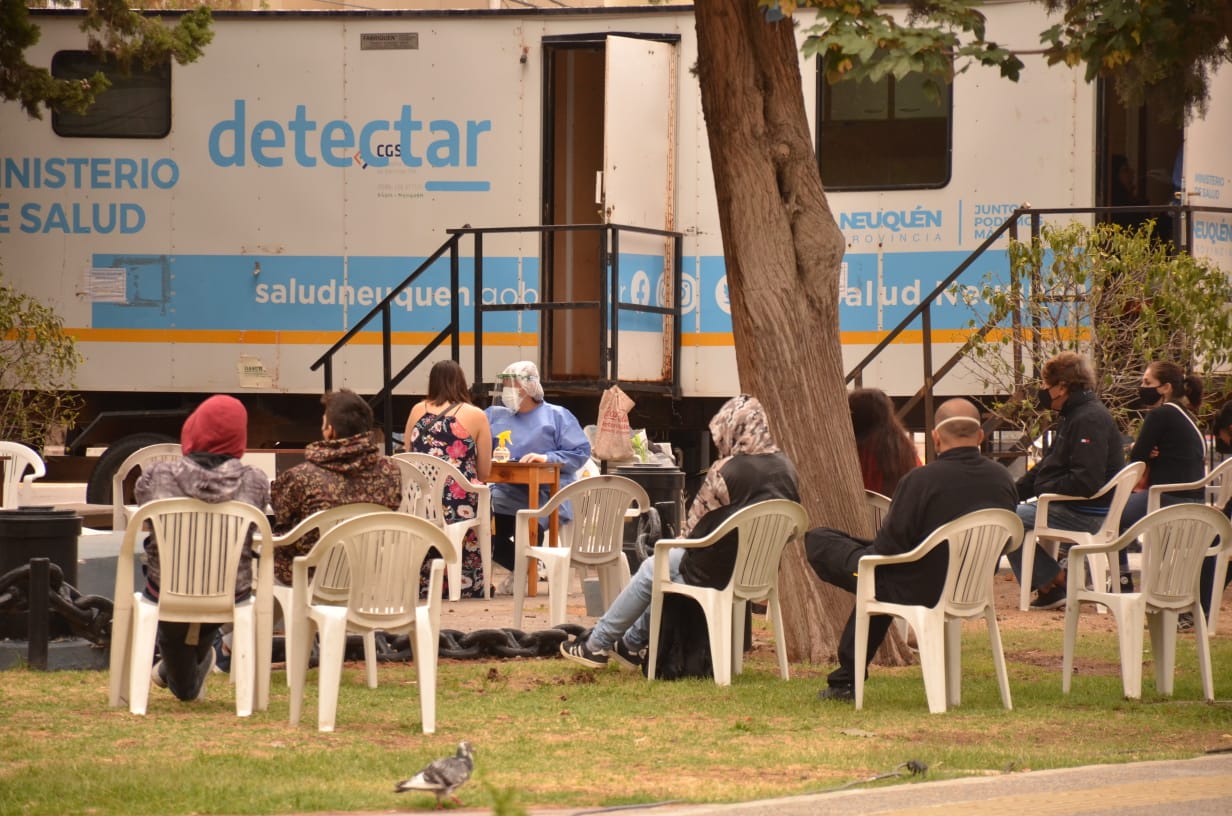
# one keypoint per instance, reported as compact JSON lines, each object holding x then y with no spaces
{"x":612,"y":436}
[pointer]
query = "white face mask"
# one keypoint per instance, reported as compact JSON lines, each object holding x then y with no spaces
{"x":511,"y":398}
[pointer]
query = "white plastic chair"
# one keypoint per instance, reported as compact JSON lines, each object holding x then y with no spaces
{"x":331,"y":577}
{"x":1174,"y":540}
{"x":15,"y":460}
{"x":593,"y":539}
{"x":763,"y":530}
{"x":878,"y":505}
{"x":199,"y":548}
{"x":138,"y":459}
{"x":384,"y":553}
{"x":1121,"y":486}
{"x":1218,"y":486}
{"x":976,"y":542}
{"x":424,"y":500}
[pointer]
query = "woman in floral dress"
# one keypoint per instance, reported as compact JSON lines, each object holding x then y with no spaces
{"x":448,"y":426}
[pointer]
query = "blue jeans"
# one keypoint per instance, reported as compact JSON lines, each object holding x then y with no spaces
{"x":185,"y":666}
{"x":1060,"y":517}
{"x":629,"y":615}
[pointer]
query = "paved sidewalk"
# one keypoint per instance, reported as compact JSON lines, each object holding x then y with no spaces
{"x":1188,"y":787}
{"x":1193,"y":787}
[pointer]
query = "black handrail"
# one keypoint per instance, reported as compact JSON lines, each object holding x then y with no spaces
{"x":609,"y":304}
{"x":923,"y":310}
{"x":327,"y":359}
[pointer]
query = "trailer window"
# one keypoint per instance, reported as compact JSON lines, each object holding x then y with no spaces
{"x":136,"y":106}
{"x":883,"y":135}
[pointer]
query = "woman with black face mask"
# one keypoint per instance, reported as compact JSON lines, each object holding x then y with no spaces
{"x":1221,"y":429}
{"x":1169,"y":441}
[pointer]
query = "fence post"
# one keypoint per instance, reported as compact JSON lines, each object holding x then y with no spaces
{"x":39,"y":623}
{"x":926,"y":345}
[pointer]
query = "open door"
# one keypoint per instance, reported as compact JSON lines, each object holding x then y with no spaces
{"x":609,"y":157}
{"x":1207,"y":176}
{"x":1138,"y":162}
{"x":638,"y":189}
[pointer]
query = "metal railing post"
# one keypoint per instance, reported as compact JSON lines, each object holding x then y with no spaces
{"x":609,"y":260}
{"x":926,"y":324}
{"x":1037,"y":340}
{"x":387,"y":371}
{"x":477,"y":377}
{"x":677,"y":282}
{"x":454,"y":310}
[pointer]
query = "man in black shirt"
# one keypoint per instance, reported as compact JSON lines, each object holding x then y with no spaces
{"x":959,"y":481}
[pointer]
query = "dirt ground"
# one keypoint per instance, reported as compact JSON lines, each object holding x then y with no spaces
{"x":497,"y":613}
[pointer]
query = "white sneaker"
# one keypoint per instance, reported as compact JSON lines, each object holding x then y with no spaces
{"x":505,"y":587}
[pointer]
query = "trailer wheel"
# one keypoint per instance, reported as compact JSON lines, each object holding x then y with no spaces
{"x":98,"y":489}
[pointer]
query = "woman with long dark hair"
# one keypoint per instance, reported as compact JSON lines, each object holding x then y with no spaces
{"x":448,"y":426}
{"x":885,"y":448}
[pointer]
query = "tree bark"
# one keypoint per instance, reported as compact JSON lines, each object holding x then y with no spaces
{"x":783,"y":251}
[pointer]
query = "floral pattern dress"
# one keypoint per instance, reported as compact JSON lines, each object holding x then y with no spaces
{"x":443,"y":436}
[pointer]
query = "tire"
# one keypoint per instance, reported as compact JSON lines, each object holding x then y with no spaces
{"x":98,"y":489}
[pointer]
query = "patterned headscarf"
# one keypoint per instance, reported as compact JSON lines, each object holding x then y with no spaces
{"x":740,"y":426}
{"x":526,"y":374}
{"x":738,"y":429}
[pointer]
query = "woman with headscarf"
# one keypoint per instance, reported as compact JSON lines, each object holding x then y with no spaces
{"x":538,"y":431}
{"x":212,"y":440}
{"x":751,"y":469}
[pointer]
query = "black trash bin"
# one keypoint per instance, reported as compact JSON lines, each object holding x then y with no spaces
{"x":665,"y":487}
{"x":37,"y":532}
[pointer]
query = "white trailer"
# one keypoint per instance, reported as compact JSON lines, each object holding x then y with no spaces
{"x":225,"y":222}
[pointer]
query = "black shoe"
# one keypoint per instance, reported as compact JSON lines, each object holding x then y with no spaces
{"x":1049,"y":598}
{"x":843,"y":693}
{"x":578,"y":652}
{"x":629,"y":658}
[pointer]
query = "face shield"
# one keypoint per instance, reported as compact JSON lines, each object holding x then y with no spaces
{"x":522,"y":378}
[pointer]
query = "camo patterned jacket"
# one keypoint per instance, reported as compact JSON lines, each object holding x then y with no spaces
{"x":335,"y":472}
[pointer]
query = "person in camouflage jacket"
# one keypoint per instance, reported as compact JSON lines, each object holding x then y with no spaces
{"x":345,"y":467}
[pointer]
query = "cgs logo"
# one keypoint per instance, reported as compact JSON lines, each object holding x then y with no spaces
{"x":388,"y":151}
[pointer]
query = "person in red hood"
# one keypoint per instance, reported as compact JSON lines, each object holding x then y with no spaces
{"x":213,"y":440}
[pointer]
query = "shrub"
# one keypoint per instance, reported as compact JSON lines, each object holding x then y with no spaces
{"x":1117,"y":295}
{"x":37,"y":364}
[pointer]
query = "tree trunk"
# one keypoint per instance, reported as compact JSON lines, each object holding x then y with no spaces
{"x":783,"y":250}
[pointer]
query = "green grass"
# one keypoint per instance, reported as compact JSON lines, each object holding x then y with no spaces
{"x":548,"y":733}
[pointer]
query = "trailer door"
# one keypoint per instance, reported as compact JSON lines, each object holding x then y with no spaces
{"x":1207,"y":180}
{"x":637,"y":189}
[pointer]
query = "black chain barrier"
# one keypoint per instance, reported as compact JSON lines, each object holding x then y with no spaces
{"x":477,"y":645}
{"x":89,"y":616}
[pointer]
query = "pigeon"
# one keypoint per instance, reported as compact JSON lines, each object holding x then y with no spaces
{"x":442,"y":776}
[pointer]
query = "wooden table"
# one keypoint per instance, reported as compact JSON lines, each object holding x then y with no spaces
{"x":534,"y":475}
